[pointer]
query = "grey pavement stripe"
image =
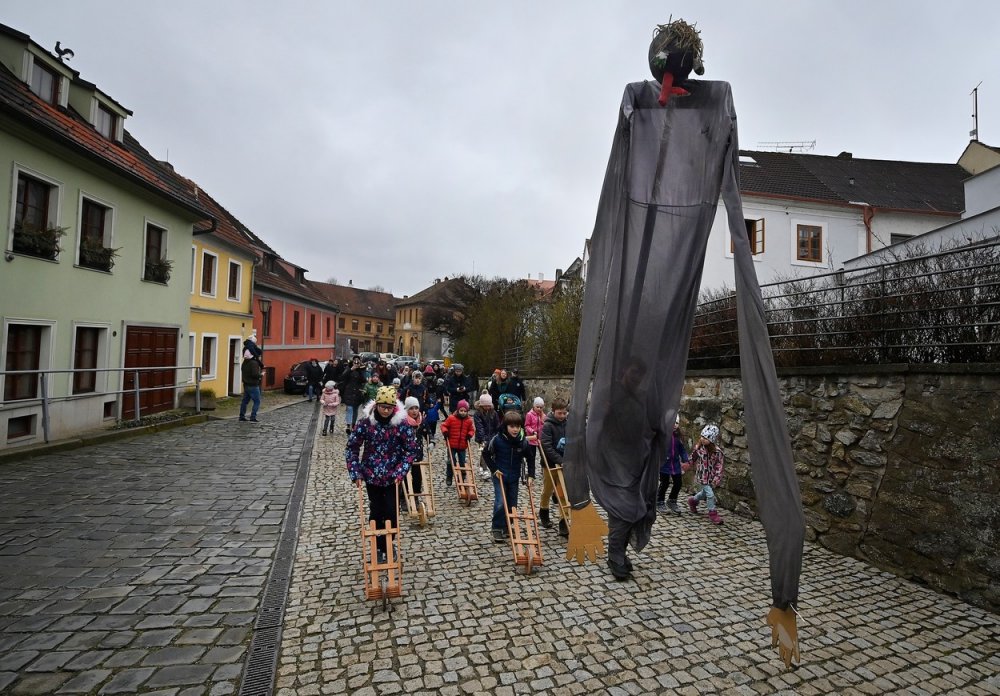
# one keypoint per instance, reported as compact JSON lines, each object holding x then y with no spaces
{"x":262,"y":660}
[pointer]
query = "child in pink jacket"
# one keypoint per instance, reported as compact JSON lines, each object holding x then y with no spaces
{"x":330,"y":400}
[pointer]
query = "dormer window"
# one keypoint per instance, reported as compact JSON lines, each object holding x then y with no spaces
{"x":300,"y":276}
{"x":45,"y":83}
{"x":106,"y":122}
{"x":269,"y":263}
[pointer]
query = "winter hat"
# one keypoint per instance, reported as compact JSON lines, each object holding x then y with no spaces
{"x":330,"y":384}
{"x":463,"y":404}
{"x":396,"y":381}
{"x":458,"y":366}
{"x":411,"y":402}
{"x":386,"y":395}
{"x":417,"y":376}
{"x":710,"y":433}
{"x":486,"y":400}
{"x":539,"y":401}
{"x":429,"y":370}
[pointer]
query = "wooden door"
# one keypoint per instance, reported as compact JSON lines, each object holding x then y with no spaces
{"x":150,"y":346}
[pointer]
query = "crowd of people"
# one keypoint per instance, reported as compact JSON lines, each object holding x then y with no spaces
{"x":391,"y":416}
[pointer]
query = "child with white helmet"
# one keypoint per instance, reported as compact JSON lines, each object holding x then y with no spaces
{"x":487,"y":422}
{"x":707,"y":458}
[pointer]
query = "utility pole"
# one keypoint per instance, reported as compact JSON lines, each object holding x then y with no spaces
{"x":974,"y":133}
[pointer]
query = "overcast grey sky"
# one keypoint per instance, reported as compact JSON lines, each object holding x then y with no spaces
{"x":390,"y":143}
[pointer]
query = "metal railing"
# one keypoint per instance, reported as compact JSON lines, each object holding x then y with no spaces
{"x":44,"y":381}
{"x":930,"y":309}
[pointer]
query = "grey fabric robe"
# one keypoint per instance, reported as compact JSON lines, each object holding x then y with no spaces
{"x":667,"y":168}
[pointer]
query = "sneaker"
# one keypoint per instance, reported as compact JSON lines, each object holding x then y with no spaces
{"x":713,"y":515}
{"x":672,"y":506}
{"x":544,"y":519}
{"x":347,"y":431}
{"x":447,"y":481}
{"x":253,"y":419}
{"x":498,"y":536}
{"x":243,"y":418}
{"x":693,"y":505}
{"x":563,"y":528}
{"x":323,"y":433}
{"x":661,"y":507}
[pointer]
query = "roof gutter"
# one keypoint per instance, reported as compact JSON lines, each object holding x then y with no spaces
{"x":213,"y":228}
{"x":842,"y":204}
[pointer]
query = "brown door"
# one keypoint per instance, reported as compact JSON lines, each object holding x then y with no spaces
{"x":150,"y":346}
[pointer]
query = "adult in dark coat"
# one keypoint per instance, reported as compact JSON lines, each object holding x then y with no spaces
{"x":352,"y":385}
{"x":458,"y":386}
{"x":314,"y":377}
{"x":517,"y":386}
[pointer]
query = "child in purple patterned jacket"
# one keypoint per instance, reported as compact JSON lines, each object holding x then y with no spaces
{"x":708,"y":460}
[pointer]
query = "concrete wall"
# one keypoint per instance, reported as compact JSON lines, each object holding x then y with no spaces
{"x":897,"y":466}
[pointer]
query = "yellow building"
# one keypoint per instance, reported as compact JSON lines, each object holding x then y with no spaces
{"x":221,"y":301}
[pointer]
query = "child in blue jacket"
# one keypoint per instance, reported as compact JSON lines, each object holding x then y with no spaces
{"x":505,"y":455}
{"x":671,"y":470}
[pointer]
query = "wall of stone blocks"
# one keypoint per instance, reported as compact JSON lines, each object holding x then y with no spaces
{"x":898,"y":465}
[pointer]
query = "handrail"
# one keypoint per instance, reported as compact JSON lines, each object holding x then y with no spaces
{"x":45,"y":400}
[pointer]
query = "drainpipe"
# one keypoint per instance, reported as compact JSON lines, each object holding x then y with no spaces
{"x":212,"y":228}
{"x":868,"y":214}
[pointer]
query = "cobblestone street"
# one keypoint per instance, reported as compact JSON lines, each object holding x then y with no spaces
{"x":140,"y":566}
{"x":692,"y":621}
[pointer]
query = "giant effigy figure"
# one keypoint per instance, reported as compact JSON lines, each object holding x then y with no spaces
{"x":675,"y":150}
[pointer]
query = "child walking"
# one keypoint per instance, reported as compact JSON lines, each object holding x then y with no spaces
{"x":505,"y":455}
{"x":415,"y":420}
{"x":553,"y":443}
{"x":533,"y":422}
{"x":330,"y":400}
{"x":487,"y":423}
{"x":388,"y":445}
{"x":457,"y":430}
{"x":671,"y":470}
{"x":708,"y":459}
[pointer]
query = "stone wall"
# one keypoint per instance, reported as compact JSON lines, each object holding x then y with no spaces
{"x":897,"y":465}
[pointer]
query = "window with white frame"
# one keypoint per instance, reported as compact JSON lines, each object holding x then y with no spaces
{"x":89,"y":346}
{"x":235,"y":280}
{"x":36,"y":231}
{"x":106,"y":122}
{"x":45,"y":82}
{"x":209,"y":266}
{"x":156,"y":266}
{"x":95,"y":235}
{"x":808,"y":243}
{"x":209,"y":354}
{"x":194,"y":265}
{"x":26,"y":347}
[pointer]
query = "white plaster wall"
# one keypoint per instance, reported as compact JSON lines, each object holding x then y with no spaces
{"x":982,"y":192}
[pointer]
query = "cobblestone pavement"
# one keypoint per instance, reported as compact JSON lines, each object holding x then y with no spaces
{"x":690,"y":623}
{"x":138,"y":565}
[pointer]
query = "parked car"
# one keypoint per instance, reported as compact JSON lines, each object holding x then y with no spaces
{"x":388,"y":357}
{"x":402,"y":361}
{"x":367,"y":357}
{"x":295,"y":380}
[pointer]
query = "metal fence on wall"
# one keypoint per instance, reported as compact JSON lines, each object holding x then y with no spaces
{"x":931,"y":309}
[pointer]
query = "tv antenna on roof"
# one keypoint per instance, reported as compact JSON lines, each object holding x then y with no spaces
{"x":787,"y":145}
{"x":974,"y":133}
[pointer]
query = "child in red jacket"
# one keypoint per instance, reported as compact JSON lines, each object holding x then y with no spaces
{"x":458,"y":429}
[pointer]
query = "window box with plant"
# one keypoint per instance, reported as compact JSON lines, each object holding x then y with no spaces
{"x":41,"y":242}
{"x":158,"y":270}
{"x":93,"y":254}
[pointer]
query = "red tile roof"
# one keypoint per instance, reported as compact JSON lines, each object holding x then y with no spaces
{"x":66,"y":127}
{"x":366,"y":303}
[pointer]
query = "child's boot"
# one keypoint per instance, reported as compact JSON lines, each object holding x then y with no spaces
{"x":693,"y":505}
{"x":714,"y":516}
{"x":672,"y":506}
{"x":563,"y":528}
{"x":543,"y":518}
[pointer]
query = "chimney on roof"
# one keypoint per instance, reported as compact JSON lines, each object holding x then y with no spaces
{"x":541,"y":277}
{"x":845,"y":155}
{"x":437,"y":280}
{"x":350,"y":283}
{"x":558,"y":273}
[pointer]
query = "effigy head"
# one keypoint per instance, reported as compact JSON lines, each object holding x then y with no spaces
{"x":676,"y":48}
